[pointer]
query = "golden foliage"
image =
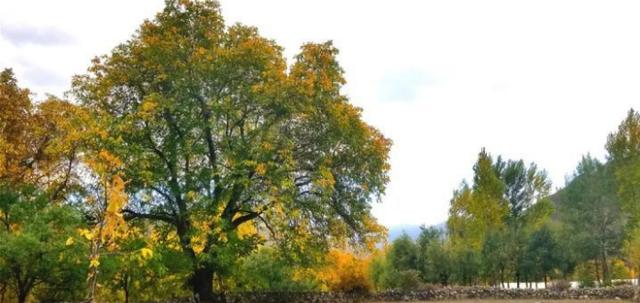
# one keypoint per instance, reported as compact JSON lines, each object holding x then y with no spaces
{"x":345,"y":272}
{"x":631,"y":249}
{"x":39,"y":141}
{"x":146,"y":253}
{"x":94,"y":262}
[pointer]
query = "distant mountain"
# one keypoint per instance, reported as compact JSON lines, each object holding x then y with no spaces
{"x":396,"y":231}
{"x":413,"y":230}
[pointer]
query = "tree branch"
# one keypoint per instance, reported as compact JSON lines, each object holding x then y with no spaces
{"x":130,"y":215}
{"x":248,"y":217}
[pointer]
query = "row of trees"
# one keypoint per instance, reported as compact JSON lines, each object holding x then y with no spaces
{"x":432,"y":259}
{"x":498,"y":231}
{"x":498,"y":214}
{"x":505,"y":227}
{"x":181,"y":152}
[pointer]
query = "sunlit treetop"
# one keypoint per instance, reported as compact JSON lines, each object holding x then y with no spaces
{"x":39,"y":141}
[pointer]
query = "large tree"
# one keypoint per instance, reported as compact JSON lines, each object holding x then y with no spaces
{"x":477,"y":210}
{"x":216,"y":131}
{"x":624,"y":154}
{"x":542,"y":253}
{"x":524,"y":186}
{"x":623,"y":146}
{"x":591,"y":213}
{"x":434,"y":261}
{"x":499,"y":208}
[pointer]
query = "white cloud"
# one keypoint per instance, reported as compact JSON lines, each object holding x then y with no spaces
{"x":541,"y":80}
{"x":26,"y":34}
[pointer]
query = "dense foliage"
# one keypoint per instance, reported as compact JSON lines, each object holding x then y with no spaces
{"x":216,"y":133}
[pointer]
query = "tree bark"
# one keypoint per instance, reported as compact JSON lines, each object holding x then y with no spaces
{"x":202,"y":283}
{"x":22,"y":296}
{"x":605,"y":269}
{"x":24,"y":287}
{"x":597,"y":271}
{"x":125,"y":287}
{"x":2,"y":292}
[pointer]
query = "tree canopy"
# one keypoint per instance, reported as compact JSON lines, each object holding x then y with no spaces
{"x":216,"y":131}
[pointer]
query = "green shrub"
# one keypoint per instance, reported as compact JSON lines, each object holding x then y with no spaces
{"x":408,"y":280}
{"x":267,"y":270}
{"x":585,"y":275}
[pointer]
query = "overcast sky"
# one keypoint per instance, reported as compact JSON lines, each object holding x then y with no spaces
{"x":544,"y":81}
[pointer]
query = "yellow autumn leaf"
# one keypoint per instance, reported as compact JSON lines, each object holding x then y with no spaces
{"x":201,"y":51}
{"x":146,"y":253}
{"x":14,"y":227}
{"x":94,"y":263}
{"x":110,"y":158}
{"x":147,"y":108}
{"x":198,"y":245}
{"x":246,"y":228}
{"x":261,"y":169}
{"x":87,"y":234}
{"x":192,"y":195}
{"x":69,"y":241}
{"x":223,"y":238}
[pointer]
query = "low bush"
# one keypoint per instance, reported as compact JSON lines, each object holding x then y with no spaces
{"x":408,"y":280}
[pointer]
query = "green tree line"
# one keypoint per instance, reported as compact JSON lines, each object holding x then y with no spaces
{"x":505,"y":227}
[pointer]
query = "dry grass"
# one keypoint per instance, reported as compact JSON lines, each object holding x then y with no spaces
{"x":524,"y":301}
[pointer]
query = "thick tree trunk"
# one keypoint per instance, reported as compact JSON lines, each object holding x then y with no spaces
{"x":126,"y":290}
{"x":202,"y":283}
{"x":202,"y":279}
{"x":22,"y":296}
{"x":24,"y":288}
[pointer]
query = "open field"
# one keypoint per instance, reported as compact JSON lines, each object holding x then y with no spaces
{"x":523,"y":301}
